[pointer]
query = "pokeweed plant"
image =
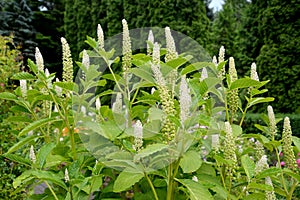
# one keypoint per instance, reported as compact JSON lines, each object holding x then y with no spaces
{"x":173,"y":131}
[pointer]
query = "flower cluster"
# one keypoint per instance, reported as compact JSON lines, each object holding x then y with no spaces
{"x":229,"y":149}
{"x":138,"y":136}
{"x":171,"y":48}
{"x":100,"y":35}
{"x":67,"y":62}
{"x":126,"y":63}
{"x":232,"y":96}
{"x":287,"y":147}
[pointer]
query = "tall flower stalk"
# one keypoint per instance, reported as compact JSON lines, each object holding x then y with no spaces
{"x":67,"y":62}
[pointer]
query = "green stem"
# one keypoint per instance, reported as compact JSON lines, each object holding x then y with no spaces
{"x":152,"y":187}
{"x":281,"y":173}
{"x":170,"y":183}
{"x":52,"y":191}
{"x":295,"y":184}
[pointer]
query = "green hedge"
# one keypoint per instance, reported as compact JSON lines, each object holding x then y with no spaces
{"x":252,"y":119}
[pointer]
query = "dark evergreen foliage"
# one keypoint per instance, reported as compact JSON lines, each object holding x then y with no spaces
{"x":16,"y":17}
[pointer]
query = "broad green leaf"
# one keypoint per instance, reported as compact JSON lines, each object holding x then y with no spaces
{"x":269,"y":172}
{"x":292,"y":174}
{"x":150,"y":149}
{"x":50,"y":176}
{"x":22,"y":178}
{"x":196,"y":190}
{"x":176,"y":63}
{"x":255,"y":196}
{"x":18,"y":119}
{"x":296,"y":142}
{"x":8,"y":96}
{"x":91,"y":41}
{"x":260,"y":100}
{"x":125,"y":180}
{"x":236,"y":130}
{"x":22,"y":143}
{"x":243,"y":83}
{"x":37,"y":124}
{"x":19,"y":108}
{"x":249,"y":166}
{"x":260,"y":186}
{"x":96,"y":182}
{"x":32,"y":66}
{"x":196,"y":66}
{"x":70,"y":86}
{"x":23,"y":76}
{"x":260,"y":137}
{"x":264,"y":129}
{"x":190,"y":161}
{"x":43,"y":153}
{"x":142,"y":73}
{"x":111,"y":77}
{"x":17,"y":158}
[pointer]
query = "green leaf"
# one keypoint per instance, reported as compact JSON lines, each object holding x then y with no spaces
{"x":43,"y":153}
{"x":144,"y":74}
{"x":196,"y":66}
{"x":249,"y":166}
{"x":23,"y":76}
{"x":22,"y":143}
{"x":176,"y":63}
{"x":17,"y":158}
{"x":260,"y":186}
{"x":269,"y":172}
{"x":125,"y":180}
{"x":150,"y":149}
{"x":18,"y":119}
{"x":49,"y":176}
{"x":96,"y":183}
{"x":236,"y":130}
{"x":91,"y":41}
{"x":292,"y":174}
{"x":196,"y":190}
{"x":296,"y":142}
{"x":32,"y":66}
{"x":8,"y":96}
{"x":256,"y":196}
{"x":37,"y":124}
{"x":243,"y":83}
{"x":260,"y":100}
{"x":70,"y":86}
{"x":190,"y":161}
{"x":22,"y":178}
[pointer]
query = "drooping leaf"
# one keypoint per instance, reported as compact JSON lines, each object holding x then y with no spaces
{"x":260,"y":186}
{"x":190,"y":161}
{"x":150,"y":149}
{"x":17,"y":158}
{"x":196,"y":66}
{"x":125,"y":180}
{"x":8,"y":96}
{"x":22,"y":142}
{"x":70,"y":86}
{"x":296,"y":142}
{"x":292,"y":174}
{"x":23,"y":76}
{"x":196,"y":190}
{"x":269,"y":172}
{"x":37,"y":124}
{"x":50,"y":176}
{"x":248,"y":165}
{"x":144,"y":74}
{"x":258,"y":100}
{"x":43,"y":153}
{"x":243,"y":83}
